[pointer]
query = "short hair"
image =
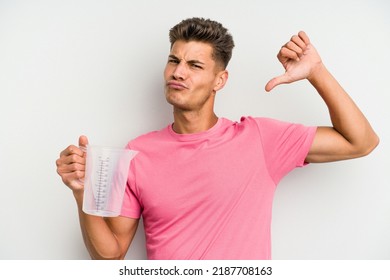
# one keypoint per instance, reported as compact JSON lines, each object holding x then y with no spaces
{"x":207,"y":31}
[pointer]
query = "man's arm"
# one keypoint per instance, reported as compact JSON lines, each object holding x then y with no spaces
{"x":105,"y":238}
{"x":351,"y":135}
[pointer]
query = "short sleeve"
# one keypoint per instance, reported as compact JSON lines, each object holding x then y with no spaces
{"x":131,"y":206}
{"x":285,"y":145}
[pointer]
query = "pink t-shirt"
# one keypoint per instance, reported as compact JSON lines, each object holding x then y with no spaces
{"x":209,"y":195}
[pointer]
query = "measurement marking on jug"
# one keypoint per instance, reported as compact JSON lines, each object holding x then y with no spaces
{"x":102,"y":182}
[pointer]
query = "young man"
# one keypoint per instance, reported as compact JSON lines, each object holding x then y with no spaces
{"x":204,"y":185}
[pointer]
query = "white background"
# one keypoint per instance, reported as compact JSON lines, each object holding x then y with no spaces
{"x":95,"y":67}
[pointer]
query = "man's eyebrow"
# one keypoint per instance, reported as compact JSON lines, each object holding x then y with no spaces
{"x":195,"y":61}
{"x":192,"y":61}
{"x":173,"y":56}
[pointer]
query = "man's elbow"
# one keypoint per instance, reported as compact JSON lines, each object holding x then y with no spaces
{"x":107,"y":257}
{"x":368,"y":146}
{"x":106,"y":253}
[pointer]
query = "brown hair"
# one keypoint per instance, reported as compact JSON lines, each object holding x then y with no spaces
{"x":207,"y":31}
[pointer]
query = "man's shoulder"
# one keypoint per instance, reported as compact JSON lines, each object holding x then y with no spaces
{"x":265,"y":122}
{"x":148,"y":138}
{"x":257,"y":121}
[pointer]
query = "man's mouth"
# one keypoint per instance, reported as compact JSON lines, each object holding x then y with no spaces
{"x":176,"y":85}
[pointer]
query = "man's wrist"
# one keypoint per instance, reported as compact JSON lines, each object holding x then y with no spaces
{"x":79,"y":195}
{"x":318,"y":74}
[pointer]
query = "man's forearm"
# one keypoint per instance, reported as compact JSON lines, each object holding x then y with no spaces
{"x":98,"y":237}
{"x":346,"y":117}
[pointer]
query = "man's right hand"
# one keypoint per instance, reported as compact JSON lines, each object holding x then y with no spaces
{"x":71,"y":165}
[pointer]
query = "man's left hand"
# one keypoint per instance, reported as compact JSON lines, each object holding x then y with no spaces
{"x":299,"y":59}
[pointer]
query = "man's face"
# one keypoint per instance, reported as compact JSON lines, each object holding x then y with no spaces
{"x":191,"y":76}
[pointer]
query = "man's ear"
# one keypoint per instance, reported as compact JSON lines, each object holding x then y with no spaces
{"x":221,"y":80}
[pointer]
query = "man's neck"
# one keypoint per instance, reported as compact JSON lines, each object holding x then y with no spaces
{"x":193,"y":122}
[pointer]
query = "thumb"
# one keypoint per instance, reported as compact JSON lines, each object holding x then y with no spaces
{"x":83,"y":141}
{"x":282,"y":79}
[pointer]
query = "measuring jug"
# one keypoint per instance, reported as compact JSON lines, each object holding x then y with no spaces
{"x":105,"y":180}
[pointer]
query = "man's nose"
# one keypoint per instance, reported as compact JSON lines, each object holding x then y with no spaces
{"x":180,"y":71}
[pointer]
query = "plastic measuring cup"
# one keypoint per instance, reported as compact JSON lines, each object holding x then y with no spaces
{"x":105,"y":180}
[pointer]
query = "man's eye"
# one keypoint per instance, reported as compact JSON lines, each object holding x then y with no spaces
{"x":197,"y":66}
{"x":173,"y":61}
